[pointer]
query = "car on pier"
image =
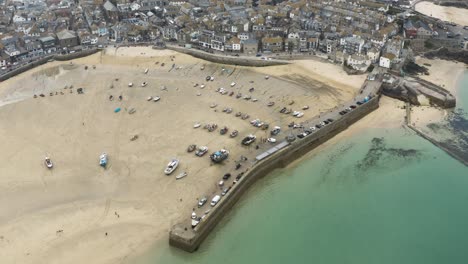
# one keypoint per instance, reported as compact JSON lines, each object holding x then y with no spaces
{"x":226,"y":190}
{"x":226,"y":176}
{"x":202,"y":202}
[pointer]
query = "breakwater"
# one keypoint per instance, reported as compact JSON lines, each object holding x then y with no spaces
{"x":230,"y":60}
{"x":44,"y":60}
{"x":184,"y":237}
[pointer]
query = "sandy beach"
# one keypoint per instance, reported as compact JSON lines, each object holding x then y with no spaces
{"x":79,"y":212}
{"x":446,"y":13}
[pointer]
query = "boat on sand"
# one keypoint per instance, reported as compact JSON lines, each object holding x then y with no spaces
{"x":181,"y":175}
{"x":171,"y":166}
{"x":103,"y":160}
{"x":234,"y":133}
{"x":48,"y":163}
{"x":191,"y":148}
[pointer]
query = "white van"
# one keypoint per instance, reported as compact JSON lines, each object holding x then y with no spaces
{"x":215,"y":200}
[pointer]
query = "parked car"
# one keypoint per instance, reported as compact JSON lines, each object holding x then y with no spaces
{"x":359,"y":103}
{"x":352,"y":107}
{"x":202,"y":202}
{"x":226,"y":190}
{"x":226,"y":176}
{"x":215,"y":200}
{"x":330,"y":120}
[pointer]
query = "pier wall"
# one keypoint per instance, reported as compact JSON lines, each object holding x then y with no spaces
{"x":184,"y":237}
{"x":44,"y":60}
{"x":222,"y":59}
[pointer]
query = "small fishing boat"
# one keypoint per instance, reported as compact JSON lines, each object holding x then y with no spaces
{"x":132,"y":111}
{"x":156,"y":98}
{"x":267,"y":77}
{"x":239,"y":95}
{"x":229,"y":110}
{"x":130,"y":84}
{"x":223,"y":130}
{"x":48,"y":163}
{"x":103,"y":160}
{"x":202,"y":68}
{"x":201,"y":151}
{"x":202,"y":86}
{"x":197,"y":125}
{"x":146,"y":71}
{"x":238,"y":114}
{"x":181,"y":175}
{"x":251,"y":89}
{"x":234,"y":133}
{"x":271,"y":104}
{"x":143,"y":84}
{"x":305,"y":107}
{"x":191,"y":148}
{"x":134,"y":137}
{"x":117,"y":110}
{"x":213,"y":105}
{"x":219,"y":156}
{"x":149,"y":98}
{"x":171,"y":166}
{"x":233,"y":84}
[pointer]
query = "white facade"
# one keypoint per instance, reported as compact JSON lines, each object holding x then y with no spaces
{"x":384,"y":62}
{"x":236,"y":47}
{"x":18,"y":19}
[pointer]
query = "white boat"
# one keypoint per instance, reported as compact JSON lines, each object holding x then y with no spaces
{"x":202,"y":86}
{"x":48,"y":163}
{"x":267,"y":77}
{"x":143,"y":84}
{"x":300,"y":114}
{"x":211,"y":78}
{"x":103,"y":160}
{"x":149,"y":98}
{"x":156,"y":98}
{"x":130,"y":84}
{"x":180,"y":176}
{"x":197,"y":125}
{"x":146,"y":71}
{"x":171,"y":166}
{"x":233,"y":84}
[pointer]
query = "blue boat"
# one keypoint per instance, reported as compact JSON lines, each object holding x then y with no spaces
{"x":117,"y":110}
{"x":103,"y":160}
{"x":219,"y":156}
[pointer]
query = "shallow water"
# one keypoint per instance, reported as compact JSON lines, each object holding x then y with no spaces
{"x":383,"y":196}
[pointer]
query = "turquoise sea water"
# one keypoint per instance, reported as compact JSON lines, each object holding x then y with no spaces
{"x":383,"y":196}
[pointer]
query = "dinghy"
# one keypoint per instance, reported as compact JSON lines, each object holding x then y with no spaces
{"x":180,"y":176}
{"x":171,"y":166}
{"x":103,"y":160}
{"x":48,"y":163}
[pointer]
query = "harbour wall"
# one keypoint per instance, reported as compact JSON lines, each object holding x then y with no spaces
{"x":44,"y":60}
{"x":240,"y":61}
{"x":184,"y":237}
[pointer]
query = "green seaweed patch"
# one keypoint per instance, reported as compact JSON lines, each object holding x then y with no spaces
{"x":380,"y":155}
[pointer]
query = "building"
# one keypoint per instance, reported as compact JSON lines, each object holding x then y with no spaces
{"x":48,"y":44}
{"x":250,"y":46}
{"x":111,"y":11}
{"x":373,"y":54}
{"x":272,"y":44}
{"x":67,"y":39}
{"x":416,"y":29}
{"x":386,"y":60}
{"x":353,"y":45}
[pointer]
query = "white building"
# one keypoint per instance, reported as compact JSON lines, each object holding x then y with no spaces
{"x":386,"y":60}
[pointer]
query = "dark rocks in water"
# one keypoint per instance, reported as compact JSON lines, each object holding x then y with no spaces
{"x":380,"y":154}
